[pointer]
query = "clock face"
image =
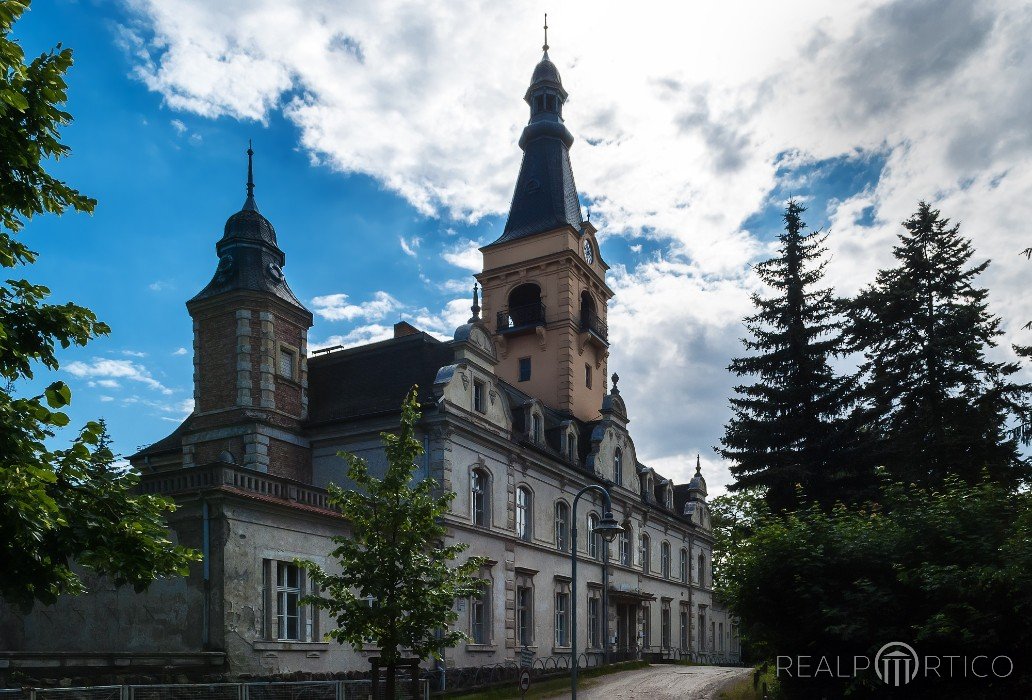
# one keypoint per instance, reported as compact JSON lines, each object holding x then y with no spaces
{"x":589,"y":254}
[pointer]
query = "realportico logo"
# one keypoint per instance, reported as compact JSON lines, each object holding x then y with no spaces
{"x":895,"y":664}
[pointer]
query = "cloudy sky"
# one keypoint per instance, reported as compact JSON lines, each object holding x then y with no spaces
{"x":386,"y":137}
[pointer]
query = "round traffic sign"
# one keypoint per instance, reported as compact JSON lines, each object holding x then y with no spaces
{"x":524,"y":680}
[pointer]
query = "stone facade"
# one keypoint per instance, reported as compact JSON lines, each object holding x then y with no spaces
{"x":519,"y":415}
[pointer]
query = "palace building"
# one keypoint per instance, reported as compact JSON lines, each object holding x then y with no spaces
{"x":519,"y":413}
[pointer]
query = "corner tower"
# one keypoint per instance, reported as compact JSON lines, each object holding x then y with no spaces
{"x":545,"y":293}
{"x":250,"y":354}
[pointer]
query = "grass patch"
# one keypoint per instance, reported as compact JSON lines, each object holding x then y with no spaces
{"x":751,"y":687}
{"x":551,"y":686}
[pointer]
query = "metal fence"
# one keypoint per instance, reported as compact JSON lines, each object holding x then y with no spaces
{"x":301,"y":690}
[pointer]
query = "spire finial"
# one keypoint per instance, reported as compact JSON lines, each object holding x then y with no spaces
{"x":698,"y":464}
{"x":250,"y":169}
{"x":615,"y":378}
{"x":475,"y":318}
{"x":544,"y":47}
{"x":249,"y":203}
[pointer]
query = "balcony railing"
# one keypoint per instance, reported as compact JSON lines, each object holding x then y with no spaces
{"x":590,"y":322}
{"x":526,"y":316}
{"x":192,"y":479}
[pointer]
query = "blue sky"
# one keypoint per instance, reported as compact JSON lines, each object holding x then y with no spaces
{"x":385,"y":151}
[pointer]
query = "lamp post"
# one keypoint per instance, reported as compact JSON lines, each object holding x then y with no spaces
{"x":607,"y":528}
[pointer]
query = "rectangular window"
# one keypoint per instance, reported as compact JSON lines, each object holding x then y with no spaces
{"x":478,"y":396}
{"x":720,"y":636}
{"x":478,"y":618}
{"x":535,"y":428}
{"x":286,"y":363}
{"x":524,"y":616}
{"x":664,"y":625}
{"x":684,"y":629}
{"x":524,"y":369}
{"x":594,"y":622}
{"x":288,"y":593}
{"x":587,"y":376}
{"x":562,"y":619}
{"x":646,"y":627}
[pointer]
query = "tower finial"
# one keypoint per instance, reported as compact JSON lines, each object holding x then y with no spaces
{"x":616,"y":379}
{"x":249,"y":203}
{"x":544,"y":47}
{"x":475,"y":318}
{"x":698,"y":464}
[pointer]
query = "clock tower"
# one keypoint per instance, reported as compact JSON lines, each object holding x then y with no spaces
{"x":545,"y":292}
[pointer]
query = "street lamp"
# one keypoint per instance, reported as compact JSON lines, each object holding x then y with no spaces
{"x":608,"y":528}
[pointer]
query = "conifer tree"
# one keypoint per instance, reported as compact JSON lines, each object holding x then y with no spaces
{"x":938,"y":404}
{"x":788,"y":434}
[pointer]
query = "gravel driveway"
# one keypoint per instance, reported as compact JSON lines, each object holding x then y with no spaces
{"x":660,"y":682}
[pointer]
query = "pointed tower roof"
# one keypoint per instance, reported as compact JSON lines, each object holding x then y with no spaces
{"x":249,"y":256}
{"x":546,"y":194}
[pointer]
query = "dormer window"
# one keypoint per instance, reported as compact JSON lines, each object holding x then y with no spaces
{"x":618,"y":467}
{"x":478,"y":396}
{"x":571,"y":447}
{"x":535,"y":427}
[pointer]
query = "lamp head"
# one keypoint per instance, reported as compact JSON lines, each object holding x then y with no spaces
{"x":608,"y":527}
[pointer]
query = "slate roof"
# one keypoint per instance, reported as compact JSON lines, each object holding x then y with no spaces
{"x":373,"y":378}
{"x":545,"y":197}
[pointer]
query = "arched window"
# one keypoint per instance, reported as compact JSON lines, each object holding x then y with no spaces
{"x":594,"y":539}
{"x":684,"y":565}
{"x":479,"y":497}
{"x":562,"y":526}
{"x":702,"y":570}
{"x":668,"y":496}
{"x":625,"y":545}
{"x":523,"y":513}
{"x":525,"y":308}
{"x":645,"y":552}
{"x":571,"y":447}
{"x":618,"y":467}
{"x":664,"y":559}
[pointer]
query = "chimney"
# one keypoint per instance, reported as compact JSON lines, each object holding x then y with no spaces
{"x":403,"y":328}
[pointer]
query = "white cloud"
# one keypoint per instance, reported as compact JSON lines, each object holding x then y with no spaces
{"x":181,"y":351}
{"x":335,"y":307}
{"x":465,"y":254}
{"x":680,"y":137}
{"x":409,"y":247}
{"x":133,"y":353}
{"x":179,"y":126}
{"x":104,"y":370}
{"x":361,"y":335}
{"x":159,"y":286}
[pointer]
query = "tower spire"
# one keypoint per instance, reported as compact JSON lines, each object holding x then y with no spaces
{"x":544,"y":47}
{"x":475,"y":318}
{"x":249,"y":203}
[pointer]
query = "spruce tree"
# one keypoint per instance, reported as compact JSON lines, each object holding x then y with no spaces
{"x":788,"y":433}
{"x":938,"y":404}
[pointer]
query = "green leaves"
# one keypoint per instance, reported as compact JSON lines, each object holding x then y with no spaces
{"x":396,"y":588}
{"x":57,"y":507}
{"x":943,"y":569}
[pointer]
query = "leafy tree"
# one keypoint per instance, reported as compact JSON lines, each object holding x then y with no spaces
{"x":733,"y":517}
{"x":395,"y":589}
{"x":56,"y":506}
{"x":788,"y":427}
{"x":946,"y":570}
{"x":938,"y":404}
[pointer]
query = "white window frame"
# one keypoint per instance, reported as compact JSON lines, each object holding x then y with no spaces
{"x":562,"y":526}
{"x":479,"y":497}
{"x":524,"y":513}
